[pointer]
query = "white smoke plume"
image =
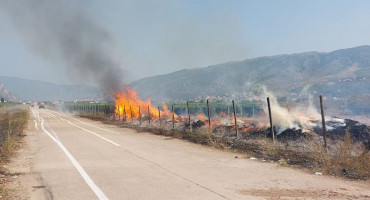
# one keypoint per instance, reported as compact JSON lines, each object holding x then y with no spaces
{"x":298,"y":116}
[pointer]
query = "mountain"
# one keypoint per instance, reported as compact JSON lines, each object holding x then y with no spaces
{"x":339,"y":74}
{"x":33,"y":90}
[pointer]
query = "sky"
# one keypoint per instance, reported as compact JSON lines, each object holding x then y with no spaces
{"x":153,"y":37}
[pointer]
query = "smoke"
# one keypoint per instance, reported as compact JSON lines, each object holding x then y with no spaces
{"x":298,"y":116}
{"x":61,"y":32}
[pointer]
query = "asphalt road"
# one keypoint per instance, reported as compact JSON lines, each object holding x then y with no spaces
{"x":75,"y":158}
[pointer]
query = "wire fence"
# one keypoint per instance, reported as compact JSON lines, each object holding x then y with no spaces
{"x":233,"y":119}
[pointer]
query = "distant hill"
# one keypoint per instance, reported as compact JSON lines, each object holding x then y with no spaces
{"x":23,"y":89}
{"x":339,"y":74}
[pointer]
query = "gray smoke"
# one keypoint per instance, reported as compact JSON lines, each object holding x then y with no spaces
{"x":62,"y":32}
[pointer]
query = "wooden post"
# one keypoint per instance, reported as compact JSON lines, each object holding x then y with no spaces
{"x":159,"y":117}
{"x":236,"y":125}
{"x":323,"y":121}
{"x":187,"y":106}
{"x":139,"y":116}
{"x":119,"y":114}
{"x":173,"y":118}
{"x":149,"y":115}
{"x":271,"y":127}
{"x":209,"y":118}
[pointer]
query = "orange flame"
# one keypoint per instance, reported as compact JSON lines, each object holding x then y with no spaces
{"x":202,"y":117}
{"x":127,"y":103}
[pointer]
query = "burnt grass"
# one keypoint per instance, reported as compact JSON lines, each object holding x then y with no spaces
{"x":347,"y":154}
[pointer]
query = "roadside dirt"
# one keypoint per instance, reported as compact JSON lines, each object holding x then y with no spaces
{"x":18,"y":177}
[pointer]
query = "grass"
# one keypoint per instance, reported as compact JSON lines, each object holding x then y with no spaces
{"x":13,"y":122}
{"x":348,"y":159}
{"x":342,"y":157}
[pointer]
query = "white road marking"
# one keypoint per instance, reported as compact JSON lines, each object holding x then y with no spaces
{"x":52,"y":131}
{"x":101,"y":137}
{"x":82,"y":172}
{"x":97,"y":135}
{"x":36,"y":114}
{"x":51,"y":115}
{"x":33,"y":113}
{"x":103,"y":129}
{"x":35,"y":124}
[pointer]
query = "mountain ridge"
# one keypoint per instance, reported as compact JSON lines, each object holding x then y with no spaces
{"x":284,"y":74}
{"x":35,"y":90}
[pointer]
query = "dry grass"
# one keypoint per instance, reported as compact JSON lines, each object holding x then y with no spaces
{"x":13,"y":122}
{"x":348,"y":159}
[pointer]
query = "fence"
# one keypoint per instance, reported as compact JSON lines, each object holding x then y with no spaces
{"x":235,"y":119}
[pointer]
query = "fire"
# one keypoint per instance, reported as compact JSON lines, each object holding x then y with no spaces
{"x":202,"y":117}
{"x":130,"y":105}
{"x":246,"y":129}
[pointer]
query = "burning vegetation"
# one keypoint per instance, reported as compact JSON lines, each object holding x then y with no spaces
{"x":291,"y":123}
{"x":299,"y":133}
{"x":129,"y":105}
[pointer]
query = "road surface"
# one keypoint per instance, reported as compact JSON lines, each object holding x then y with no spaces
{"x":75,"y":158}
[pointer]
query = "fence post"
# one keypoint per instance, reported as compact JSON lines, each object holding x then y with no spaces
{"x":187,"y":106}
{"x":323,"y":121}
{"x":236,"y":125}
{"x":149,"y":115}
{"x":124,"y":113}
{"x":271,"y":127}
{"x":209,"y":118}
{"x":173,"y":118}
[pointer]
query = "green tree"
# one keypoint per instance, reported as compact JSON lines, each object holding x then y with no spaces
{"x":2,"y":99}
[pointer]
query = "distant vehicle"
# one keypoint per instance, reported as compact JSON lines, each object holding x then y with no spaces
{"x":41,"y":106}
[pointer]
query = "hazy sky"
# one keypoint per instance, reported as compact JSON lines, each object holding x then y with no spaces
{"x":156,"y":37}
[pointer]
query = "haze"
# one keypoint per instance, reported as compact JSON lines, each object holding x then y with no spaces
{"x":158,"y":37}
